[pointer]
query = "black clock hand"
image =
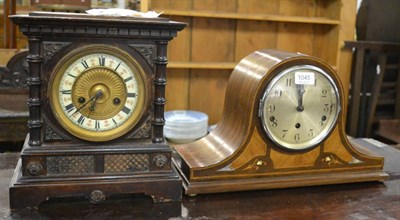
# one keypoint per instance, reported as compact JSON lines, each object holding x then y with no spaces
{"x":300,"y":92}
{"x":98,"y":93}
{"x":93,"y":105}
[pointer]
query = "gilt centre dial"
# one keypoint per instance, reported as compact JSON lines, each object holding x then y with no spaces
{"x":299,"y":107}
{"x":98,"y":93}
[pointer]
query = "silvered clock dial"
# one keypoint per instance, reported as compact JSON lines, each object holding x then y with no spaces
{"x":97,"y":93}
{"x":299,"y":107}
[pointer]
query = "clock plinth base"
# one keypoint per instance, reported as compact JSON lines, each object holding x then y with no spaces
{"x":270,"y":171}
{"x":156,"y":177}
{"x":273,"y":182}
{"x":160,"y":188}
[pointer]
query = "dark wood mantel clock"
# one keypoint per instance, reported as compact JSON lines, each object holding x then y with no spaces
{"x":282,"y":126}
{"x":96,"y":109}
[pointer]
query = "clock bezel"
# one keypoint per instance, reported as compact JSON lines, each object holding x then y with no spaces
{"x":311,"y":144}
{"x":85,"y":134}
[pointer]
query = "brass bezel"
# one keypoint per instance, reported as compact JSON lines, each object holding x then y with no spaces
{"x":76,"y":130}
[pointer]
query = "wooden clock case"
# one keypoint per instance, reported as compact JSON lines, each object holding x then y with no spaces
{"x":237,"y":155}
{"x":56,"y":164}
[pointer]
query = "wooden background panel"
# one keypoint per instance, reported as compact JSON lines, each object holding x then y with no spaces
{"x":258,"y":7}
{"x":2,"y":30}
{"x":152,"y":4}
{"x":325,"y":41}
{"x":177,"y":90}
{"x":344,"y":56}
{"x":305,"y":8}
{"x":179,"y":48}
{"x":213,"y":40}
{"x":328,"y":9}
{"x":254,"y":35}
{"x":21,"y":40}
{"x":181,"y":4}
{"x":171,"y":4}
{"x":7,"y":54}
{"x":295,"y":37}
{"x":207,"y":92}
{"x":212,"y":5}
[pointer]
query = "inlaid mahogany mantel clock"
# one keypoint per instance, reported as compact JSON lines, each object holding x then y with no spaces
{"x":96,"y":109}
{"x":282,"y":126}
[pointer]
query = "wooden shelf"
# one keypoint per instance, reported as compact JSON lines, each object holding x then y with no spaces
{"x":259,"y":17}
{"x":220,"y":33}
{"x":201,"y":65}
{"x":206,"y":65}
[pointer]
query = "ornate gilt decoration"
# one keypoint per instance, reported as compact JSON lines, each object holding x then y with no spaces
{"x":109,"y":83}
{"x":329,"y":160}
{"x":257,"y":164}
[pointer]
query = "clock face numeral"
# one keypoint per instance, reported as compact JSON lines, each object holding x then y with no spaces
{"x":298,"y":114}
{"x":278,"y":93}
{"x":324,"y":93}
{"x":311,"y":133}
{"x":97,"y":125}
{"x":115,"y":123}
{"x":297,"y":137}
{"x":81,"y":119}
{"x":131,"y":95}
{"x":85,"y":64}
{"x":70,"y":108}
{"x":126,"y":110}
{"x":271,"y":108}
{"x":102,"y":61}
{"x":274,"y":121}
{"x":326,"y":108}
{"x":119,"y":64}
{"x":66,"y":92}
{"x":288,"y":82}
{"x":284,"y":133}
{"x":71,"y":75}
{"x":128,"y":79}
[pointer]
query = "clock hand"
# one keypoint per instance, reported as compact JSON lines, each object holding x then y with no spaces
{"x":93,"y":105}
{"x":300,"y":92}
{"x":98,"y":93}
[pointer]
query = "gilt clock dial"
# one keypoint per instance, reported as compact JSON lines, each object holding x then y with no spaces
{"x":97,"y":93}
{"x":299,"y":107}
